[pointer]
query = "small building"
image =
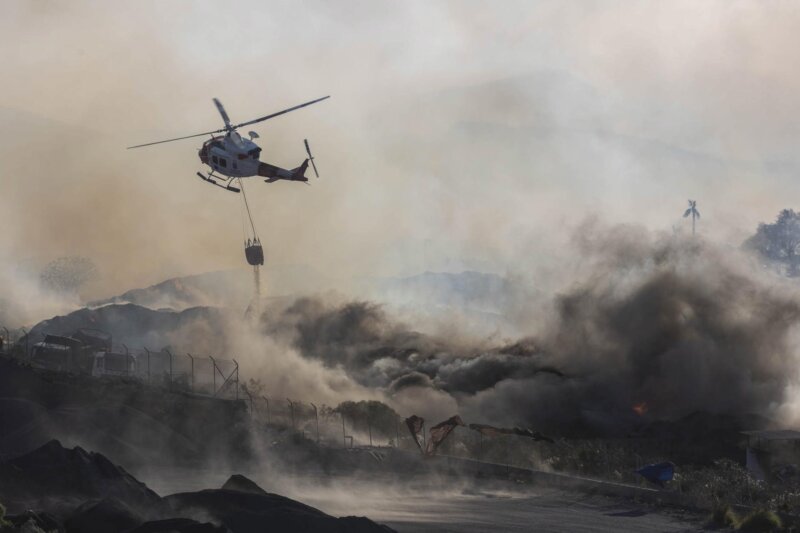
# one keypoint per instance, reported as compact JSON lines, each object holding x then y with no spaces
{"x":772,"y":453}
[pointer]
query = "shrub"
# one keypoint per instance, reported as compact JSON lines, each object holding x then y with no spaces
{"x":3,"y":521}
{"x":761,"y":520}
{"x":723,"y":516}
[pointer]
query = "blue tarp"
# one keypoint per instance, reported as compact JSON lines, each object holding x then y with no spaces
{"x":658,"y":473}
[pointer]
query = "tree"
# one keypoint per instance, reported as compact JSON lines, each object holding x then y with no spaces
{"x":779,"y":242}
{"x":692,"y":211}
{"x":371,"y":415}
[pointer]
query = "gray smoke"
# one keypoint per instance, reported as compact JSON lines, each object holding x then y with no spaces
{"x":68,"y":274}
{"x":671,"y":326}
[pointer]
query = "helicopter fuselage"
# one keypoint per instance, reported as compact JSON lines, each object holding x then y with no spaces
{"x":231,"y":155}
{"x":236,"y":157}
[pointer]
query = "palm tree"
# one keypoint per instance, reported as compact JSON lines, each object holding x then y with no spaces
{"x":692,"y":211}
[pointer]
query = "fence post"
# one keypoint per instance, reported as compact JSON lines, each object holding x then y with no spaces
{"x":170,"y":367}
{"x":7,"y":340}
{"x":214,"y":371}
{"x":344,"y":434}
{"x":127,"y":361}
{"x":291,"y":408}
{"x":26,"y":341}
{"x":148,"y":366}
{"x":249,"y":397}
{"x":316,"y":417}
{"x":237,"y":378}
{"x":192,"y":371}
{"x":267,"y":400}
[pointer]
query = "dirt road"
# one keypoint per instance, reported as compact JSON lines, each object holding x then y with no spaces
{"x":451,"y":507}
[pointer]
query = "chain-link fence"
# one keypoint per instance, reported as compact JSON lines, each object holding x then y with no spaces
{"x":348,"y":425}
{"x":194,"y":373}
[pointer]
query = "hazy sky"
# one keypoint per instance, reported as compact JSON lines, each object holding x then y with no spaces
{"x":458,"y":135}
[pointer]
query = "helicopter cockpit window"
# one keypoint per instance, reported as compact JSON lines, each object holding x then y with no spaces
{"x":214,"y":159}
{"x":223,"y":162}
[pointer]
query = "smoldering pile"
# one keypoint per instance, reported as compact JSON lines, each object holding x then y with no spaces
{"x":654,"y":327}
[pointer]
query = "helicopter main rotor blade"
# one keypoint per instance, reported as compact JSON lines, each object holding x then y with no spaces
{"x":222,"y":112}
{"x":228,"y":126}
{"x":273,"y":115}
{"x":175,"y":139}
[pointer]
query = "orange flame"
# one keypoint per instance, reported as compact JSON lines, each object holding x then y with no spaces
{"x":640,"y":408}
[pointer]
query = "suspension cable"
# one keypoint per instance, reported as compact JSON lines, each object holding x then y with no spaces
{"x":247,"y":206}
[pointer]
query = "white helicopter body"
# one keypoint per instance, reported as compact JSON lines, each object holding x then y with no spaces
{"x":235,"y":157}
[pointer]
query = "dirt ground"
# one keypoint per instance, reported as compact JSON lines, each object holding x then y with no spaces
{"x":451,"y":508}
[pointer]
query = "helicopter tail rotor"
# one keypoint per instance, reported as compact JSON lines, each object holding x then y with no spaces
{"x":311,"y":157}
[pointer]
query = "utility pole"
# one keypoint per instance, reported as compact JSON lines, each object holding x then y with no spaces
{"x":344,"y":434}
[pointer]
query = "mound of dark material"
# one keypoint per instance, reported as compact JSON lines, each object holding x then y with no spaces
{"x":102,"y":516}
{"x":242,"y":484}
{"x":60,"y":477}
{"x":135,"y":325}
{"x":132,"y":423}
{"x":96,"y":496}
{"x":248,"y":512}
{"x":179,"y":525}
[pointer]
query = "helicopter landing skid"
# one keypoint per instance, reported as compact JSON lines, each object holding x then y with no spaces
{"x":210,"y":179}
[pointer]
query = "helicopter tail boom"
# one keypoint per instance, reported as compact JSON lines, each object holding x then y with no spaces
{"x":273,"y":173}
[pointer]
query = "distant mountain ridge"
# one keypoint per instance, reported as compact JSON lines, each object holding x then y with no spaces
{"x":224,"y":288}
{"x":211,"y":288}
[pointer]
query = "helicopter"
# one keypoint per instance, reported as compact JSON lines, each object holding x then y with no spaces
{"x":232,"y":157}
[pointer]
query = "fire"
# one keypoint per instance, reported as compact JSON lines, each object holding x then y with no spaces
{"x":640,"y":408}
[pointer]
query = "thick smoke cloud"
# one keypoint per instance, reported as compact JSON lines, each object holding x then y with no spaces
{"x":676,"y":325}
{"x":666,"y":324}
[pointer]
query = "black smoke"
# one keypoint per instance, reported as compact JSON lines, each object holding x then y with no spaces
{"x":665,"y":325}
